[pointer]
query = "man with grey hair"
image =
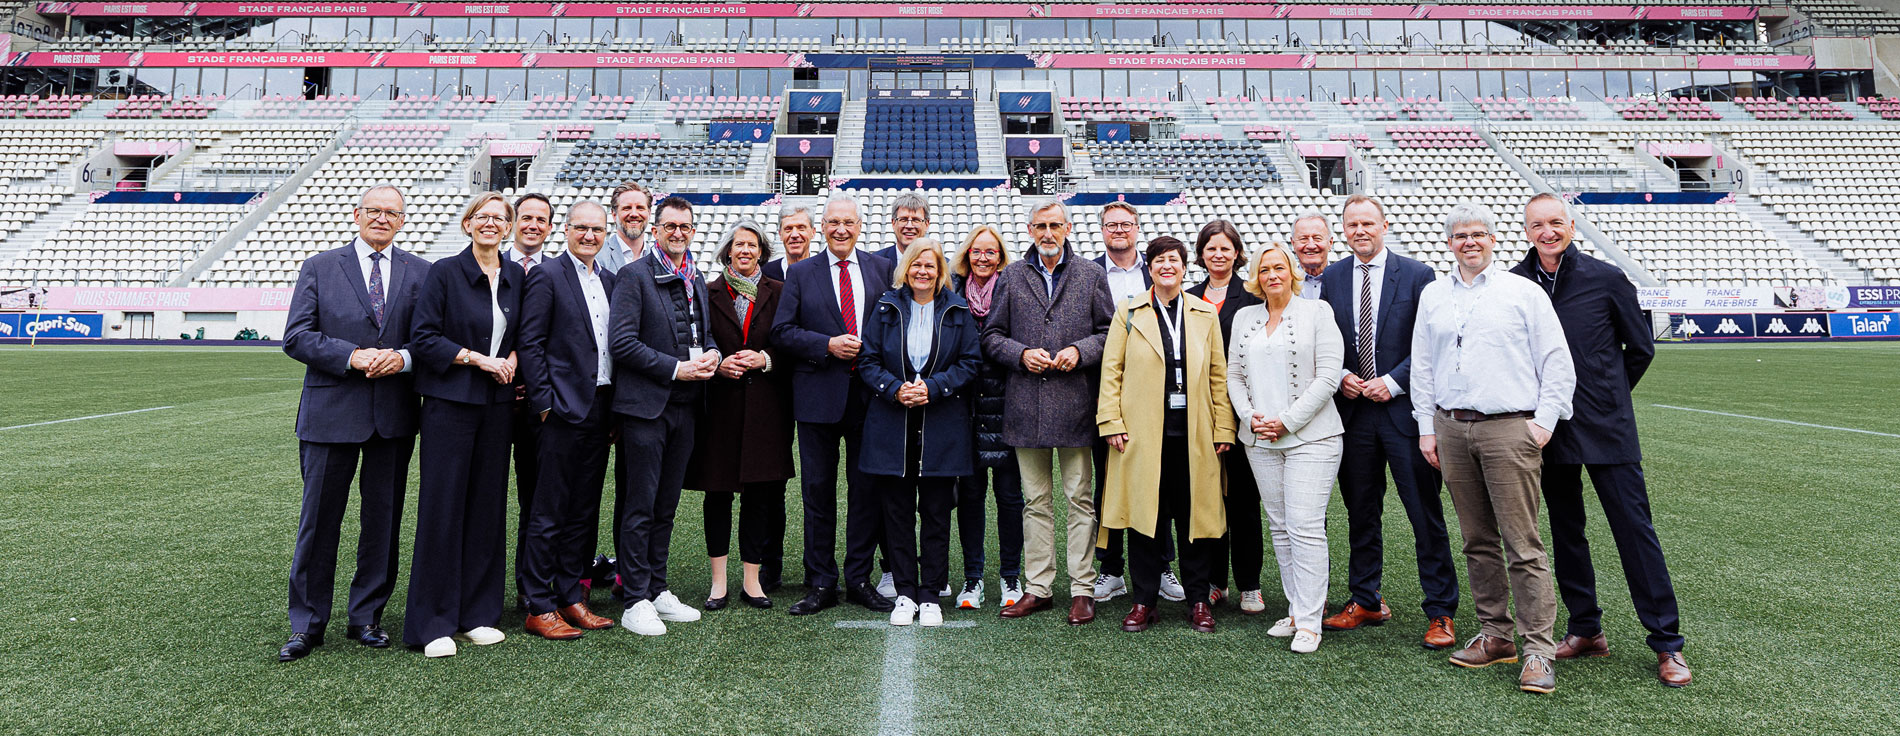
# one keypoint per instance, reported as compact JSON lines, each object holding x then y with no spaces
{"x":796,"y":225}
{"x":1312,"y":243}
{"x":910,"y":219}
{"x":1048,"y":322}
{"x":1491,"y":370}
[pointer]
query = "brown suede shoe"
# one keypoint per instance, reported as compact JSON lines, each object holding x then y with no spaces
{"x":1028,"y":604}
{"x":1440,"y":634}
{"x":550,"y":626}
{"x":1538,"y":676}
{"x":1576,"y":647}
{"x":1201,"y":618}
{"x":1354,"y":616}
{"x":1671,"y":670}
{"x":579,"y":617}
{"x":1081,"y":609}
{"x":1484,"y":651}
{"x":1139,"y":619}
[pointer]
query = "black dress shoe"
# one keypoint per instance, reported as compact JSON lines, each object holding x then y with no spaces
{"x":370,"y":636}
{"x":299,"y":646}
{"x":714,"y":604}
{"x":865,"y":594}
{"x":771,"y":585}
{"x":755,"y":602}
{"x":817,"y":600}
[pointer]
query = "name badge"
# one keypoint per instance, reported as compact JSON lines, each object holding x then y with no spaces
{"x":1177,"y":401}
{"x":694,"y":352}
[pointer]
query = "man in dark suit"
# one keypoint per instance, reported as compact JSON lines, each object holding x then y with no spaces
{"x":661,"y":342}
{"x":1374,"y":296}
{"x":796,"y":226}
{"x":1610,"y":343}
{"x":910,"y":219}
{"x":534,"y":220}
{"x":567,"y":369}
{"x":820,"y":314}
{"x":349,"y":325}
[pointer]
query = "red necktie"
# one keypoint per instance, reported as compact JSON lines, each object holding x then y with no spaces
{"x":847,"y":304}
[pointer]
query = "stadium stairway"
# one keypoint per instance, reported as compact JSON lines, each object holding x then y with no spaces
{"x":1294,"y":175}
{"x":989,"y":141}
{"x":758,"y":169}
{"x":450,"y":239}
{"x":848,"y":159}
{"x":1606,"y":245}
{"x":240,"y":230}
{"x":43,"y":227}
{"x":1838,"y":269}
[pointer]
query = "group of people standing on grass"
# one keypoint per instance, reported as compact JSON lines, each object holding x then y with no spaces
{"x":1162,"y":411}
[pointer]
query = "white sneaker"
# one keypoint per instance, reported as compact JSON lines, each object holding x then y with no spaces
{"x":1283,"y":628}
{"x":1250,"y":602}
{"x":443,"y":647}
{"x":642,"y":619}
{"x":1012,"y":591}
{"x":905,"y":611}
{"x":669,"y":608}
{"x":1306,"y":642}
{"x":1170,"y":587}
{"x":972,"y":596}
{"x":887,"y":586}
{"x":481,"y":636}
{"x":930,"y":615}
{"x":1108,"y":586}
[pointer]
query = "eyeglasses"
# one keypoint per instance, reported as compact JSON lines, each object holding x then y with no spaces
{"x":675,"y":227}
{"x":841,"y":223}
{"x":487,"y":219}
{"x":378,"y":213}
{"x":1479,"y":235}
{"x":910,"y":220}
{"x":1118,"y":227}
{"x":588,"y":229}
{"x":1043,"y":227}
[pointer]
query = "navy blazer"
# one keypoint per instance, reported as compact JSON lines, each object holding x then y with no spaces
{"x":1405,"y":279}
{"x":452,"y":313}
{"x":640,"y":331}
{"x":884,"y":366}
{"x":1147,"y":281}
{"x":558,"y":355}
{"x":807,"y":319}
{"x":329,"y":317}
{"x":1611,"y":345}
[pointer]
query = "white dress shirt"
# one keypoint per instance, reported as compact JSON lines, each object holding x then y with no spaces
{"x":534,"y":259}
{"x":498,"y":328}
{"x":1378,"y":288}
{"x":917,"y":334}
{"x":1492,"y":345}
{"x":363,"y":263}
{"x":1125,"y":282}
{"x":857,"y":283}
{"x":595,"y":295}
{"x":1310,"y":286}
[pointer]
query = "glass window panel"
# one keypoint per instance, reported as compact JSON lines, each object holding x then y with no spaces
{"x":1459,"y":85}
{"x":1548,"y":84}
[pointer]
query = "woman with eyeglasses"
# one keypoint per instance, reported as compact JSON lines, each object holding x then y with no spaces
{"x":466,"y":318}
{"x":974,"y":269}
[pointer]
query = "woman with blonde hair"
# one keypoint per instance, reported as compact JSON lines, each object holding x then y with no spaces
{"x":973,"y":275}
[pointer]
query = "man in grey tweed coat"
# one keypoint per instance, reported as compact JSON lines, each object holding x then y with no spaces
{"x":1048,"y":322}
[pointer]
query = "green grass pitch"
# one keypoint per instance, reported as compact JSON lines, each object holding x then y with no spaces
{"x":143,"y":561}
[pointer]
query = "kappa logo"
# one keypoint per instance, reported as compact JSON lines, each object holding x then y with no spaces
{"x":1812,"y":326}
{"x":1689,"y":328}
{"x":1777,"y":327}
{"x":1728,"y":327}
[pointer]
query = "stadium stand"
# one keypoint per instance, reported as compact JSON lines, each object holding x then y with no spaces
{"x":654,"y":162}
{"x":129,"y":244}
{"x":917,"y":137}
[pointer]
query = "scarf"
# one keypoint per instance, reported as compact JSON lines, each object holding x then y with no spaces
{"x":744,"y":289}
{"x":978,"y":293}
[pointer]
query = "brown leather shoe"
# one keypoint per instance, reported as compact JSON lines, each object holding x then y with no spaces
{"x":1575,"y":647}
{"x":1028,"y":604}
{"x":1671,"y":670}
{"x":1081,"y":609}
{"x":1440,"y":634}
{"x":1354,"y":616}
{"x":1201,"y":618}
{"x":1484,"y":651}
{"x":1139,"y":619}
{"x":1538,"y":676}
{"x":550,"y":626}
{"x":579,"y":617}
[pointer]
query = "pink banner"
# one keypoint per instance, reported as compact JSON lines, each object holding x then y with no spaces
{"x":146,"y":149}
{"x":116,"y":9}
{"x":1687,"y":13}
{"x":312,"y":10}
{"x":481,"y":10}
{"x":1163,"y":11}
{"x":94,"y":299}
{"x":677,"y":10}
{"x":894,"y":10}
{"x":1533,"y":12}
{"x":266,"y":59}
{"x":1680,"y":150}
{"x":1179,"y":61}
{"x":61,"y":58}
{"x":1348,"y":12}
{"x":658,"y":61}
{"x":1323,"y":150}
{"x":1174,"y":9}
{"x":514,"y":148}
{"x":1747,"y":63}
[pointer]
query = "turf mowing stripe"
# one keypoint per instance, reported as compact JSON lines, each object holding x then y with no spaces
{"x":81,"y":419}
{"x":1778,"y":421}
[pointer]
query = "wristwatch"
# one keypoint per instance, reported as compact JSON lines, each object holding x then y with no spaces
{"x":468,"y":358}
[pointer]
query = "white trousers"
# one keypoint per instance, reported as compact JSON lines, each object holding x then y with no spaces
{"x":1295,"y":485}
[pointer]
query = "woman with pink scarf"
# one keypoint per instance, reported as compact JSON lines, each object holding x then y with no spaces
{"x":975,"y":266}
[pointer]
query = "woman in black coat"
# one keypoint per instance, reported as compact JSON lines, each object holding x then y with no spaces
{"x":920,"y":350}
{"x":466,"y":318}
{"x":744,"y":448}
{"x":1220,"y":250}
{"x":974,"y":268}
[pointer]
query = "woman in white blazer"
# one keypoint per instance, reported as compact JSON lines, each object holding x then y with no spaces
{"x":1283,"y":367}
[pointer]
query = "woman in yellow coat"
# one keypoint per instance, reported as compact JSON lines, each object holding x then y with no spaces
{"x":1163,"y":407}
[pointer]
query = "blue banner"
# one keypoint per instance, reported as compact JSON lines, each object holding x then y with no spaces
{"x":922,"y":94}
{"x":816,"y":103}
{"x":1655,"y":198}
{"x":1112,"y":132}
{"x":45,"y":326}
{"x":1716,"y":327}
{"x":1028,"y":147}
{"x":866,"y":61}
{"x":1138,"y":199}
{"x":805,"y":147}
{"x":729,"y":199}
{"x":739,"y":132}
{"x":1864,"y":325}
{"x":922,"y":183}
{"x":1025,"y":103}
{"x":1791,"y":326}
{"x":178,"y":197}
{"x":1873,"y":297}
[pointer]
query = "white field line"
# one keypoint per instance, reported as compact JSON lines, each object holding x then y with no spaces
{"x":897,"y":693}
{"x":1777,"y":421}
{"x":81,"y":419}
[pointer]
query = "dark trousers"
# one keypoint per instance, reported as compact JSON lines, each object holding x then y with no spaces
{"x":1112,"y":556}
{"x":327,"y":472}
{"x":455,"y":582}
{"x":1147,"y":556}
{"x":818,"y":482}
{"x":914,"y":507}
{"x":1006,"y":481}
{"x":527,"y":445}
{"x":565,"y":517}
{"x":656,"y":450}
{"x":761,"y":523}
{"x":1245,"y":541}
{"x":1625,"y":501}
{"x":1371,"y":437}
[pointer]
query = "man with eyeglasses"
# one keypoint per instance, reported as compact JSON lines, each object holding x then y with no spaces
{"x":1127,"y":278}
{"x":821,"y":314}
{"x":661,"y":338}
{"x":1313,"y":244}
{"x":349,"y":325}
{"x":534,"y":221}
{"x":910,"y":219}
{"x":632,"y":203}
{"x":1491,"y":377}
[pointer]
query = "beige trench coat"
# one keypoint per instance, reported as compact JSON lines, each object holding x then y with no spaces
{"x":1131,"y":401}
